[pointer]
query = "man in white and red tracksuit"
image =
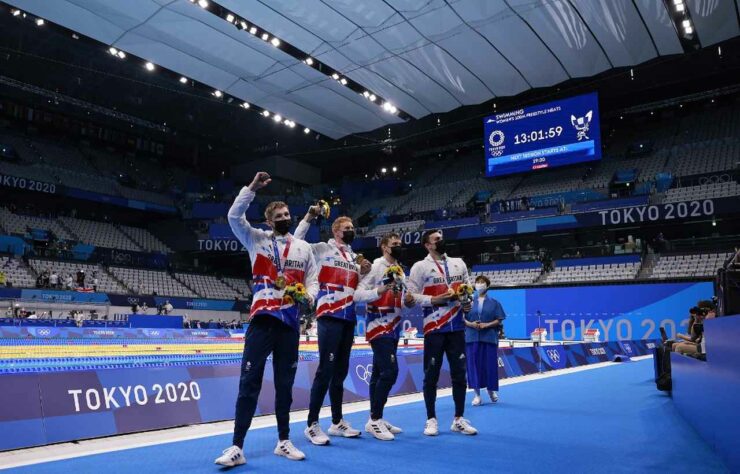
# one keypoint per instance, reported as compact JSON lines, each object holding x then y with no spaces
{"x":278,"y":259}
{"x":339,"y":275}
{"x":383,"y":329}
{"x":433,"y":283}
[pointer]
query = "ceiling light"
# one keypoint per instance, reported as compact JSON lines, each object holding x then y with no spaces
{"x":366,"y":94}
{"x":265,"y":36}
{"x":243,"y":24}
{"x":122,"y":55}
{"x":343,"y":81}
{"x":394,"y":169}
{"x":306,"y":130}
{"x":253,"y":30}
{"x":383,"y":170}
{"x":218,"y":93}
{"x":686,"y":24}
{"x":291,"y":124}
{"x":335,"y":76}
{"x":230,"y":18}
{"x":680,"y":8}
{"x":372,"y":97}
{"x":309,"y":61}
{"x":393,"y":109}
{"x":149,"y":66}
{"x":15,"y":12}
{"x":275,"y":42}
{"x":113,"y":51}
{"x":203,"y":3}
{"x":688,"y":30}
{"x":246,"y":105}
{"x":265,"y":113}
{"x":277,"y":118}
{"x":183,"y":80}
{"x":286,"y":122}
{"x":39,"y":22}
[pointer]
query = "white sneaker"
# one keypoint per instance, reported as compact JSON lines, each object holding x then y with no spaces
{"x":432,"y":427}
{"x":393,"y":429}
{"x":494,"y":396}
{"x":461,"y":425}
{"x":315,"y":435}
{"x":476,"y":400}
{"x":286,"y":448}
{"x":343,"y":429}
{"x":233,"y":456}
{"x":379,"y":429}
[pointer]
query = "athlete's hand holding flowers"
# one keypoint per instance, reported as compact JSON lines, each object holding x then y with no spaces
{"x":296,"y":293}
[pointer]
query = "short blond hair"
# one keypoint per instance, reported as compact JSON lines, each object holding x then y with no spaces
{"x":339,"y":221}
{"x":271,"y":208}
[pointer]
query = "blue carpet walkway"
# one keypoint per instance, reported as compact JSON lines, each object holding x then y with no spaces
{"x":604,"y":420}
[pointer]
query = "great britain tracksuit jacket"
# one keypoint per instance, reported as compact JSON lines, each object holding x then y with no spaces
{"x":296,"y":260}
{"x":430,"y":278}
{"x":338,"y":277}
{"x":383,"y":318}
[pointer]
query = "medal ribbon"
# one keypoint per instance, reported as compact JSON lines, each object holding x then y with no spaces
{"x":344,"y":255}
{"x":278,"y":260}
{"x":444,"y":273}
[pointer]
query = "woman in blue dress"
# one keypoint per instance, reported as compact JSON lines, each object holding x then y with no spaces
{"x":481,"y":340}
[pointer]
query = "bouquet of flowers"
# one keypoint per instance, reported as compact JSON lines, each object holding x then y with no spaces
{"x":394,"y":274}
{"x":464,"y":293}
{"x":295,"y":293}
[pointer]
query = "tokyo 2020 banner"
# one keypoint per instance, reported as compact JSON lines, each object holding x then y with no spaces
{"x":619,"y":312}
{"x":51,"y":407}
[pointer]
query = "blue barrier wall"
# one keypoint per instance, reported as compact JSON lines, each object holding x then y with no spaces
{"x":707,"y":393}
{"x":81,"y":404}
{"x":620,"y":312}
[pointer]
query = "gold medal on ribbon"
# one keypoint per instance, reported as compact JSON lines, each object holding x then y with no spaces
{"x":280,"y":283}
{"x":359,"y":259}
{"x":324,"y":209}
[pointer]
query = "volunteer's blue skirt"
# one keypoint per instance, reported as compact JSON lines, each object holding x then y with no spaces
{"x":482,"y":360}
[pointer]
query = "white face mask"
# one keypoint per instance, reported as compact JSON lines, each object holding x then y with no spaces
{"x":480,"y":287}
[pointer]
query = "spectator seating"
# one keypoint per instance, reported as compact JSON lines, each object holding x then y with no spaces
{"x":398,"y":227}
{"x":239,"y":285}
{"x":685,"y":266}
{"x":145,"y":239}
{"x":598,"y":272}
{"x":208,"y":286}
{"x":513,"y":277}
{"x":146,"y":282}
{"x":100,"y":233}
{"x":106,"y":283}
{"x":19,"y":223}
{"x":712,"y":156}
{"x":16,"y":273}
{"x":703,"y":191}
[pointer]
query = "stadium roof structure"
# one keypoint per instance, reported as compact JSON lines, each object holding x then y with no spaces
{"x":421,"y":56}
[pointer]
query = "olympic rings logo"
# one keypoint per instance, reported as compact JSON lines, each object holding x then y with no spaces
{"x":554,"y":355}
{"x":364,"y":372}
{"x":43,"y":332}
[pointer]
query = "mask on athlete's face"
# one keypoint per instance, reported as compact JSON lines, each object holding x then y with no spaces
{"x":348,"y":236}
{"x":441,"y":246}
{"x":398,"y":253}
{"x":282,"y":227}
{"x":480,"y":287}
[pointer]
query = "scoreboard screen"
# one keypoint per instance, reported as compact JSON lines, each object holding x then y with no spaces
{"x":543,"y":136}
